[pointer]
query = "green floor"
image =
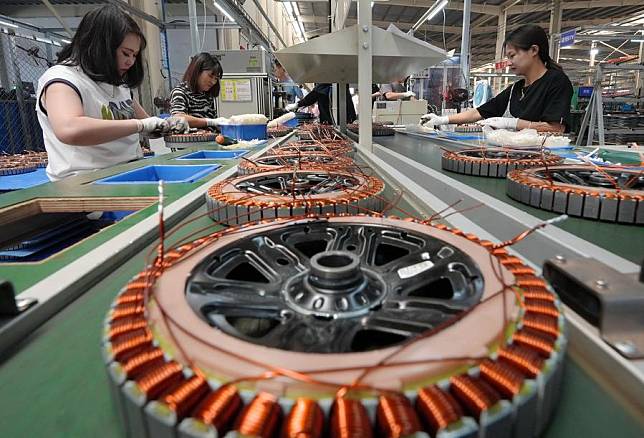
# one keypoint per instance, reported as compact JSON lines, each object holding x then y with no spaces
{"x":624,"y":240}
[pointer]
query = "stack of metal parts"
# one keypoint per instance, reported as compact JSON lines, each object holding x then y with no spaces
{"x":495,"y":162}
{"x":624,"y":128}
{"x":22,"y":163}
{"x":181,"y":141}
{"x":377,"y":130}
{"x":471,"y":127}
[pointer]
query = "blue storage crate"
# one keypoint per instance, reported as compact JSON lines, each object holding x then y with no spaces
{"x":213,"y":155}
{"x":154,"y":173}
{"x":291,"y":123}
{"x":245,"y":132}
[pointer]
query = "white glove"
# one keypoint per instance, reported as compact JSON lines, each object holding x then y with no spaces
{"x":176,"y":125}
{"x":291,"y":107}
{"x":152,"y":126}
{"x":409,"y":94}
{"x":212,"y":123}
{"x":500,"y":122}
{"x":433,"y":120}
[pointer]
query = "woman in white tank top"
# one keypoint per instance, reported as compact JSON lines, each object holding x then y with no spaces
{"x":85,"y":103}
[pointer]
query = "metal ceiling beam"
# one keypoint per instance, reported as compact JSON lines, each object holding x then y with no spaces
{"x":137,"y":12}
{"x":526,"y":9}
{"x":62,"y":22}
{"x":453,"y":5}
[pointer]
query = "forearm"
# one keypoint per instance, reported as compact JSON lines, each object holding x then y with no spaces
{"x":88,"y":131}
{"x":540,"y":126}
{"x":194,"y":122}
{"x":470,"y":116}
{"x":390,"y":95}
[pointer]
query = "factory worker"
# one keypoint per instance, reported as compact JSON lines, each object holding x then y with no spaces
{"x":540,"y":101}
{"x":194,"y":98}
{"x":85,"y":106}
{"x":396,"y":91}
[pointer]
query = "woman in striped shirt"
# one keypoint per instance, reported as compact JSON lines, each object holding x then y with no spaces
{"x":194,"y":98}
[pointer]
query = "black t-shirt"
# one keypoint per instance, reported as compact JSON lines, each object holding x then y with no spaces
{"x":546,"y":100}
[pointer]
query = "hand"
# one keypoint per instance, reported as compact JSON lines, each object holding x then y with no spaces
{"x":291,"y":107}
{"x":409,"y":94}
{"x":500,"y":122}
{"x":152,"y":127}
{"x":432,"y":120}
{"x":212,"y":123}
{"x":176,"y":125}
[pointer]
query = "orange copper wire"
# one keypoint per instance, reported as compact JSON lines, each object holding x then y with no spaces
{"x":142,"y":362}
{"x":306,"y":420}
{"x":437,"y":408}
{"x":349,"y":419}
{"x":395,"y":416}
{"x":475,"y":394}
{"x":130,"y":342}
{"x":159,"y":379}
{"x":505,"y":378}
{"x":541,"y":306}
{"x":261,"y":417}
{"x":124,"y":325}
{"x":219,"y":408}
{"x":524,"y":358}
{"x":126,"y":310}
{"x":545,"y":323}
{"x":539,"y":341}
{"x":185,"y":396}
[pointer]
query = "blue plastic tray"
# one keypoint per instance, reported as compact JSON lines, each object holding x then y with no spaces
{"x":461,"y":136}
{"x":245,"y":132}
{"x":23,"y":180}
{"x":213,"y":155}
{"x":153,"y":174}
{"x":291,"y":123}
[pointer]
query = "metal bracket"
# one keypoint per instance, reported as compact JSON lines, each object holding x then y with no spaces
{"x":610,"y":300}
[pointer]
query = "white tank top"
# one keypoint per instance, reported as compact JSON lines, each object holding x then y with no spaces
{"x":100,"y":101}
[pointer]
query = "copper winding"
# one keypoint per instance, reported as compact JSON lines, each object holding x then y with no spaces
{"x":349,"y":419}
{"x":129,"y":342}
{"x":305,"y":420}
{"x":185,"y":396}
{"x":124,"y":325}
{"x":534,"y":158}
{"x":526,"y":359}
{"x":544,"y":323}
{"x":261,"y":417}
{"x":545,"y":307}
{"x":437,"y":408}
{"x":219,"y":408}
{"x":505,"y":378}
{"x":142,"y":362}
{"x":126,"y":310}
{"x":159,"y":378}
{"x":396,"y":417}
{"x":476,"y":395}
{"x":538,"y":341}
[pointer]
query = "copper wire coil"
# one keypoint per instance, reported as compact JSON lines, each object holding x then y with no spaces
{"x":279,"y":131}
{"x":160,"y":378}
{"x":261,"y":417}
{"x":522,"y":357}
{"x":219,"y":408}
{"x":505,"y":378}
{"x":127,"y":310}
{"x":539,"y":341}
{"x":316,"y":147}
{"x":303,"y":161}
{"x":349,"y":419}
{"x":437,"y":408}
{"x":25,"y":162}
{"x":475,"y":394}
{"x":142,"y":362}
{"x":234,"y":201}
{"x":395,"y":416}
{"x":197,"y":137}
{"x":545,"y":307}
{"x":377,"y":129}
{"x":495,"y":162}
{"x":544,"y":323}
{"x":131,"y":342}
{"x":305,"y":420}
{"x":611,"y":200}
{"x":125,"y":325}
{"x":185,"y":396}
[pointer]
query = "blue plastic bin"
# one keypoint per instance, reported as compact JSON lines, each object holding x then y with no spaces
{"x":213,"y":155}
{"x":154,"y":173}
{"x":291,"y":123}
{"x":245,"y":132}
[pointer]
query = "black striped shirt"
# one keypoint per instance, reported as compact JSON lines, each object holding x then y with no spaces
{"x":185,"y":101}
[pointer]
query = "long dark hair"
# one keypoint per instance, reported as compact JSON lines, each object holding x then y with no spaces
{"x":94,"y":45}
{"x":530,"y":35}
{"x":203,"y":62}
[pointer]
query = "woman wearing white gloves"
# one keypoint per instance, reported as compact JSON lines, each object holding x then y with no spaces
{"x":541,"y":101}
{"x":396,"y":91}
{"x":85,"y":106}
{"x":194,"y":98}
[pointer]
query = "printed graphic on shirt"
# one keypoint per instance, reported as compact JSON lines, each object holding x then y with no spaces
{"x":118,"y":111}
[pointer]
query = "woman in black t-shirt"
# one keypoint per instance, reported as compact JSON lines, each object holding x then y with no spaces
{"x":194,"y":98}
{"x":541,"y":101}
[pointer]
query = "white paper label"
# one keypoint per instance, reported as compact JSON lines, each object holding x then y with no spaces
{"x":413,"y":270}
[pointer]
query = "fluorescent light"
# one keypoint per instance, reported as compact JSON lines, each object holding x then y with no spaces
{"x":637,"y":41}
{"x":594,"y":51}
{"x":4,"y":23}
{"x":431,"y":13}
{"x":223,"y":11}
{"x":65,"y":41}
{"x":44,"y":40}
